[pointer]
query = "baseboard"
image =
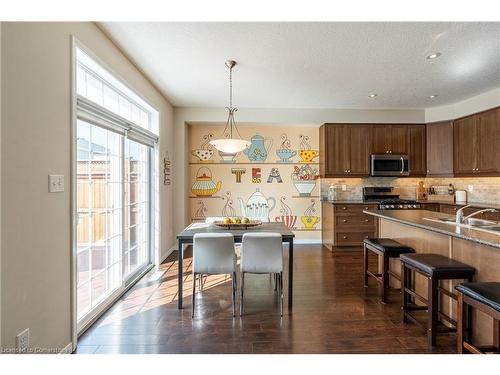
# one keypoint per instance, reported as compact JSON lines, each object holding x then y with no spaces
{"x":306,"y":242}
{"x":68,"y":349}
{"x":167,"y":253}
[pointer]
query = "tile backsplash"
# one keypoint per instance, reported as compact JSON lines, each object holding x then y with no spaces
{"x":485,"y":189}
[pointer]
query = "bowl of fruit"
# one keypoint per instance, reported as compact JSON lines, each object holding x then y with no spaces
{"x":237,"y":223}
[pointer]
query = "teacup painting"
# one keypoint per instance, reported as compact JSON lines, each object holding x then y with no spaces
{"x":285,"y":155}
{"x":288,"y":220}
{"x":309,"y":221}
{"x":203,"y":155}
{"x":227,"y":157}
{"x":307,"y":156}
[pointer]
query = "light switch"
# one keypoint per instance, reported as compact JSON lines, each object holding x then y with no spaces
{"x":56,"y":183}
{"x":470,"y":188}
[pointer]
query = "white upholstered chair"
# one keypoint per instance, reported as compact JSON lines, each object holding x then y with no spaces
{"x":213,"y":254}
{"x":262,"y":252}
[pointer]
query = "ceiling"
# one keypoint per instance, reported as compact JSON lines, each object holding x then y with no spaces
{"x":314,"y":65}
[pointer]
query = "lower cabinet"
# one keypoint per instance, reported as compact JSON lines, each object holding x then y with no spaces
{"x":345,"y":225}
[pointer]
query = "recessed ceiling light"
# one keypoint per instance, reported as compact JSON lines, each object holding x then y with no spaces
{"x":372,"y":95}
{"x":434,"y":56}
{"x":432,"y":96}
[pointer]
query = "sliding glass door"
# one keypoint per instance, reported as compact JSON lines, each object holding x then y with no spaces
{"x":113,"y":210}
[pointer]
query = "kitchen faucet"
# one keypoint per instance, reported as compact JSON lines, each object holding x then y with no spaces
{"x":460,"y":219}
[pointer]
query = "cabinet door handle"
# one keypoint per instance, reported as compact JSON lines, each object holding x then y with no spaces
{"x":366,"y":220}
{"x":367,"y":208}
{"x":344,"y":237}
{"x":344,"y":208}
{"x":344,"y":221}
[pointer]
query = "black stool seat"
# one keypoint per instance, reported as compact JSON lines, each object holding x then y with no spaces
{"x":437,"y":265}
{"x":388,"y":246}
{"x":486,"y":292}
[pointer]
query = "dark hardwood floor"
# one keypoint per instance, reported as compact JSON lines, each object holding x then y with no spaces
{"x":333,"y":313}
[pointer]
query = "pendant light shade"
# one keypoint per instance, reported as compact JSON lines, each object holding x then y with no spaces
{"x":230,"y":144}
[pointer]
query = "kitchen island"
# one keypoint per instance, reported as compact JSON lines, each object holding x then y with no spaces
{"x":422,"y":230}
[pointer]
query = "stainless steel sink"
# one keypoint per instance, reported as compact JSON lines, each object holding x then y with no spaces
{"x":471,"y":222}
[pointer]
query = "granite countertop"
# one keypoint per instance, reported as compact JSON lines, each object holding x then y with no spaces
{"x":495,"y":205}
{"x":418,"y":218}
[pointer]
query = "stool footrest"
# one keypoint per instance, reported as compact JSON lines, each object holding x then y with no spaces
{"x":417,"y":296}
{"x":448,"y":293}
{"x":376,"y":276}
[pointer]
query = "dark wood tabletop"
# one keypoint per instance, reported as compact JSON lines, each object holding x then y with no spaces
{"x":187,"y":235}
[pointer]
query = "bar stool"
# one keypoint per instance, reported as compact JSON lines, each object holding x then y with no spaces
{"x":435,"y":268}
{"x":385,"y":248}
{"x":485,"y":297}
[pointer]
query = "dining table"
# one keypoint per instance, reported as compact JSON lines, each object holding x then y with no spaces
{"x":186,"y":238}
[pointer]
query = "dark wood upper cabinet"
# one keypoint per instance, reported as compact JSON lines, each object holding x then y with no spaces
{"x":440,"y":149}
{"x":417,"y":150}
{"x":359,"y":149}
{"x":399,"y":139}
{"x":390,"y":139}
{"x":344,"y":150}
{"x":477,"y":144}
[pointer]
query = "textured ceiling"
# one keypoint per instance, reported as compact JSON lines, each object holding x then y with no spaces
{"x":315,"y":65}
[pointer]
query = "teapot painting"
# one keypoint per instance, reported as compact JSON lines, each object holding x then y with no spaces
{"x":204,"y":186}
{"x":257,"y":206}
{"x":259,"y":148}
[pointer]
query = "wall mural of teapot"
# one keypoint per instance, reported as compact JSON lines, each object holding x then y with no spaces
{"x":205,"y":152}
{"x":257,"y":207}
{"x":259,"y":148}
{"x":204,"y":186}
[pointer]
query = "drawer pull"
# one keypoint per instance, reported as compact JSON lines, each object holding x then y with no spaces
{"x":366,"y":220}
{"x":344,"y":237}
{"x":344,"y":208}
{"x":344,"y":221}
{"x":367,"y":208}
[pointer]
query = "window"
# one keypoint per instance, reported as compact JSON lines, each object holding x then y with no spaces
{"x":115,"y":152}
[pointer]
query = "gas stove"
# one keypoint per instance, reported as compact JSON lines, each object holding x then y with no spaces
{"x":398,"y":204}
{"x":388,"y":199}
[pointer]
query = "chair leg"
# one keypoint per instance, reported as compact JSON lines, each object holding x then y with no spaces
{"x":233,"y":283}
{"x":385,"y":278}
{"x":433,"y":298}
{"x":461,"y":323}
{"x":365,"y":265}
{"x":281,"y":292}
{"x":194,"y":295}
{"x":242,"y":286}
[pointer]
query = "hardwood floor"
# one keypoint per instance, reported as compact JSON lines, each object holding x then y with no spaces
{"x":333,"y":313}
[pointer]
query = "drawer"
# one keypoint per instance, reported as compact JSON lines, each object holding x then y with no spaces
{"x":354,"y":220}
{"x":352,"y":238}
{"x":353,"y":209}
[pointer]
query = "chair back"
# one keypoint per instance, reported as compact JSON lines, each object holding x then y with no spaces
{"x":213,"y":253}
{"x":262,"y":252}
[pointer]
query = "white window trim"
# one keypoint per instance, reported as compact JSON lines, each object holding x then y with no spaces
{"x":136,"y":133}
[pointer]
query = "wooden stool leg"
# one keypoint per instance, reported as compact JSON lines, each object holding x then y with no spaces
{"x":404,"y":285}
{"x":365,"y":264}
{"x":461,"y":323}
{"x":496,"y":334}
{"x":433,"y":298}
{"x":385,"y":278}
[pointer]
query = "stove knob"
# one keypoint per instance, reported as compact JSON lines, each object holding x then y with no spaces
{"x":401,"y":206}
{"x":392,"y":206}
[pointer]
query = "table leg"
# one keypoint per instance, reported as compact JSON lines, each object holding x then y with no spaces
{"x":180,"y":274}
{"x":290,"y":273}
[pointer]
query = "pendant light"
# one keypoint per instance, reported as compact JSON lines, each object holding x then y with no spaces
{"x":230,"y":144}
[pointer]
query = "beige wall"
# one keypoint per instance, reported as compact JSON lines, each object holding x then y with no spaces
{"x":0,"y":183}
{"x":465,"y":107}
{"x":36,"y":141}
{"x":258,"y":117}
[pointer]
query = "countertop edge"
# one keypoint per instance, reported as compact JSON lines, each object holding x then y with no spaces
{"x":434,"y":229}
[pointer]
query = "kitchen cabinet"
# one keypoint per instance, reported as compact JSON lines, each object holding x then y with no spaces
{"x":477,"y":144}
{"x":344,"y":150}
{"x":417,"y":150}
{"x":390,"y":139}
{"x":439,"y":148}
{"x":345,"y":224}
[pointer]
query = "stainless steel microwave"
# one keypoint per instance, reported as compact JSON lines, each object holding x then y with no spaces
{"x":389,"y":165}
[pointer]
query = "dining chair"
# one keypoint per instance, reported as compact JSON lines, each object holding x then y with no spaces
{"x":213,"y":254}
{"x":261,"y":253}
